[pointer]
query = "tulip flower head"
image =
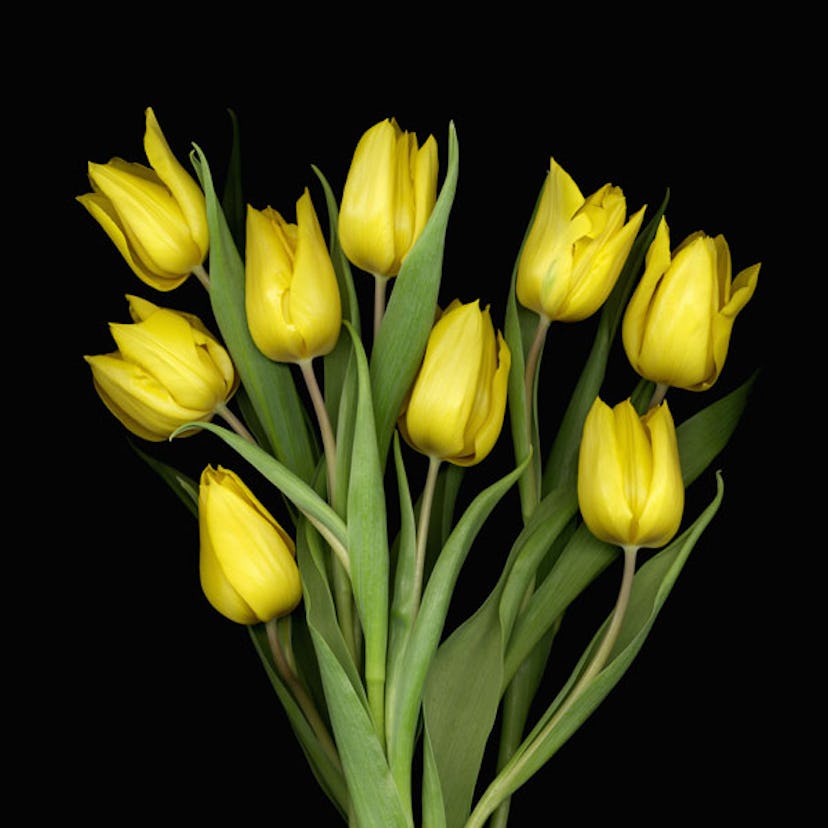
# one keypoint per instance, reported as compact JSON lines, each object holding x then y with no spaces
{"x":456,"y":405}
{"x":292,"y":297}
{"x":168,"y":371}
{"x":630,"y":488}
{"x":575,"y":248}
{"x":247,"y":561}
{"x":156,"y":216}
{"x":677,"y":326}
{"x":389,"y":194}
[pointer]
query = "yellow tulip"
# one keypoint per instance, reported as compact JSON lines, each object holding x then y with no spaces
{"x":168,"y":370}
{"x":292,"y":297}
{"x":456,"y":406}
{"x":575,"y":248}
{"x":247,"y":562}
{"x":389,"y":194}
{"x":630,"y":488}
{"x":156,"y":216}
{"x":677,"y":325}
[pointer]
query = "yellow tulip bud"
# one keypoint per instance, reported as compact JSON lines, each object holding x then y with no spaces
{"x":247,"y":562}
{"x":677,"y":325}
{"x":456,"y":405}
{"x":630,"y":488}
{"x":156,"y":216}
{"x":388,"y":197}
{"x":292,"y":300}
{"x":168,"y":370}
{"x":575,"y":249}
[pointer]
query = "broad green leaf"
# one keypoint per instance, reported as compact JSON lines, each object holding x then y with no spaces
{"x":269,"y":384}
{"x":374,"y":797}
{"x":367,"y":526}
{"x":561,"y":466}
{"x":409,"y":316}
{"x":465,"y":681}
{"x":463,"y":688}
{"x":420,"y":648}
{"x":651,"y":586}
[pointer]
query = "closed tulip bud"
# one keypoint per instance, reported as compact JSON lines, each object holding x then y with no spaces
{"x":575,"y":249}
{"x":156,"y":216}
{"x":677,"y":326}
{"x":168,"y":371}
{"x":389,"y":194}
{"x":292,"y":297}
{"x":630,"y":488}
{"x":247,"y":561}
{"x":456,"y":406}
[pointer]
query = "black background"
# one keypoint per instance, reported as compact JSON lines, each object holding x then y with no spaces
{"x":156,"y":701}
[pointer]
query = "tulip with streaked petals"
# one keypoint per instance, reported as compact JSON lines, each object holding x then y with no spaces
{"x":575,"y":249}
{"x":292,"y":300}
{"x":168,"y":370}
{"x":630,"y":488}
{"x":457,"y":403}
{"x":677,"y":326}
{"x":156,"y":216}
{"x":247,"y":562}
{"x":389,"y":194}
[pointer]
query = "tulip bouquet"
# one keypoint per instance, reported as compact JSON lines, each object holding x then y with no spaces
{"x":346,"y":595}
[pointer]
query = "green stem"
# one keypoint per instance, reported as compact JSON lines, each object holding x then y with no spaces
{"x":299,"y":692}
{"x":325,"y":428}
{"x":502,"y":786}
{"x":343,"y":595}
{"x":422,"y":528}
{"x":201,"y":274}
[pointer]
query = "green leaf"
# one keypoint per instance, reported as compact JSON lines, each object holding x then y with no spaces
{"x":651,"y":586}
{"x":519,"y":330}
{"x":410,"y":679}
{"x":409,"y":316}
{"x":705,"y":434}
{"x":233,"y":200}
{"x":269,"y":384}
{"x":374,"y":797}
{"x":368,"y":537}
{"x":562,"y":462}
